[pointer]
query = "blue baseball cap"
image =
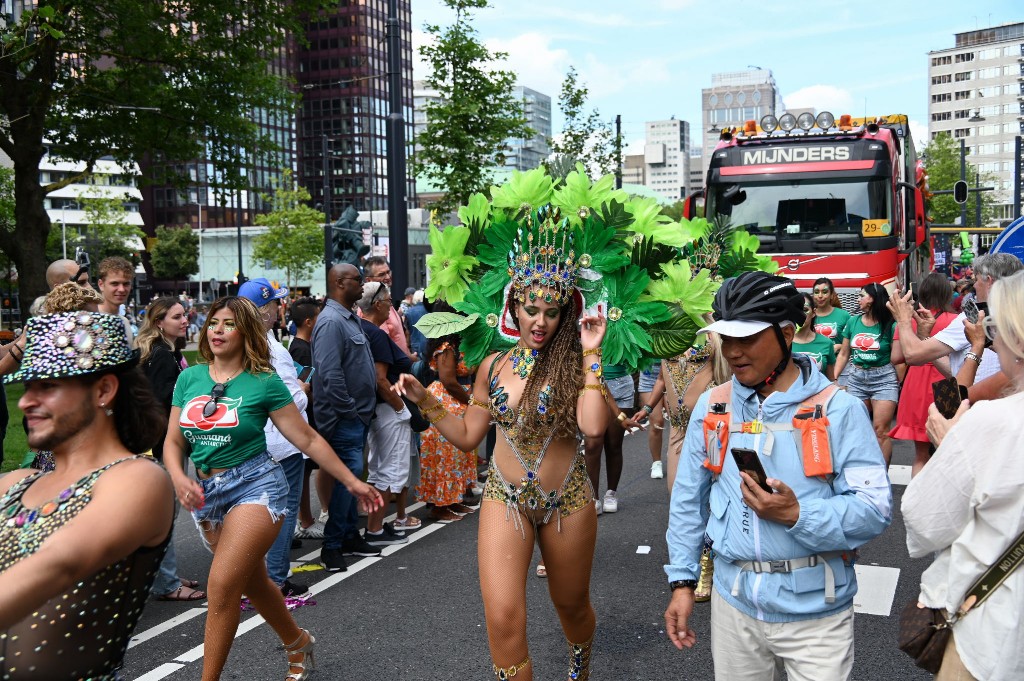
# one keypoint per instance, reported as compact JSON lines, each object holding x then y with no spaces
{"x":260,"y":291}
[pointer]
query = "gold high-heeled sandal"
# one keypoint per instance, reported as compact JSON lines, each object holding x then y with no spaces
{"x":579,"y":660}
{"x":307,"y":663}
{"x":505,"y":673}
{"x":702,"y":594}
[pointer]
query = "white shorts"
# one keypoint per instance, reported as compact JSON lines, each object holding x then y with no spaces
{"x":391,"y":447}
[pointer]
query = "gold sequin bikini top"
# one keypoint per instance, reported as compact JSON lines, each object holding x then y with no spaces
{"x":84,"y":632}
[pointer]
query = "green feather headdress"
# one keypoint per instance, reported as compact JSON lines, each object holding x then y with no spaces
{"x":653,"y":278}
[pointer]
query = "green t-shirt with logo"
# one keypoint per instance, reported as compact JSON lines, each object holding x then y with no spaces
{"x":234,"y":432}
{"x":869,"y":347}
{"x":821,"y":350}
{"x":833,"y":324}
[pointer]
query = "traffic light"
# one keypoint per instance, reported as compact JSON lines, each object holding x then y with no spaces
{"x":960,"y":191}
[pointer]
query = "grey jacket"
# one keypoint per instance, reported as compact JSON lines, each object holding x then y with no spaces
{"x":345,"y":381}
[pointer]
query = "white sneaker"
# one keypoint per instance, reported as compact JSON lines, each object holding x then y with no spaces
{"x":611,"y":502}
{"x":314,"y":531}
{"x":599,"y":506}
{"x":323,"y":518}
{"x":656,"y":471}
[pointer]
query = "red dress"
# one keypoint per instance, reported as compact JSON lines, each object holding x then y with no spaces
{"x":916,"y":395}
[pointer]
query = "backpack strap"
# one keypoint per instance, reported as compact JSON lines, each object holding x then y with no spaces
{"x":717,"y":427}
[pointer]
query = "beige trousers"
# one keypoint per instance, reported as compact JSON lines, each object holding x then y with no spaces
{"x":746,"y":649}
{"x":953,"y":668}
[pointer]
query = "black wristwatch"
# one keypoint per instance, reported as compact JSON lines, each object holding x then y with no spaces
{"x":683,"y":584}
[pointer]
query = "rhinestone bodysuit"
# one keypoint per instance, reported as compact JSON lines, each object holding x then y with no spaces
{"x":84,"y":632}
{"x":528,"y":494}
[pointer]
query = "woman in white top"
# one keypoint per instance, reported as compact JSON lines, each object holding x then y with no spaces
{"x":966,"y":504}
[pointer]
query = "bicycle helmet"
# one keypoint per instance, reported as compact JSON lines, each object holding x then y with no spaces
{"x":752,"y":302}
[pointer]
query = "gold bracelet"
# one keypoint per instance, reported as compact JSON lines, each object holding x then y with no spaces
{"x":434,"y":420}
{"x":592,"y":386}
{"x":431,"y":411}
{"x":473,"y":402}
{"x":592,"y":351}
{"x":622,"y":417}
{"x":595,"y":368}
{"x":422,"y":404}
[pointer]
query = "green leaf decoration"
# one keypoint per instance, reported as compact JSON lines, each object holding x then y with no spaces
{"x":475,"y":215}
{"x":500,"y":238}
{"x":625,"y":340}
{"x":614,"y":215}
{"x":481,"y":338}
{"x":594,"y":239}
{"x":650,"y":255}
{"x":675,"y":335}
{"x":744,"y":241}
{"x":532,"y":188}
{"x":449,"y":265}
{"x":733,"y":263}
{"x":695,"y":229}
{"x":649,"y":221}
{"x":578,"y":193}
{"x":691,"y":295}
{"x":441,"y":324}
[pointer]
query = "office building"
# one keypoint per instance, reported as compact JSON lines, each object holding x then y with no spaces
{"x":976,"y":93}
{"x":734,"y":98}
{"x":529,"y":152}
{"x":667,"y":158}
{"x":633,"y":169}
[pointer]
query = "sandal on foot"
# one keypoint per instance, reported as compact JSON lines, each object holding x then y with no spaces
{"x":462,"y":509}
{"x":180,"y":594}
{"x":408,"y":523}
{"x":445,"y":515}
{"x":542,"y":571}
{"x":190,"y":583}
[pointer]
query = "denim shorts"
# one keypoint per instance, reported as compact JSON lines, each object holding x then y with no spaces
{"x":621,"y":390}
{"x":648,"y":376}
{"x":259,"y":480}
{"x":873,"y":383}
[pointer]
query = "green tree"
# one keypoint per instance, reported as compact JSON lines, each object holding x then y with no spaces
{"x":130,"y":79}
{"x":107,"y":232}
{"x":476,"y":113}
{"x":175,"y":254}
{"x":294,"y":241}
{"x":942,"y":161}
{"x":585,"y":137}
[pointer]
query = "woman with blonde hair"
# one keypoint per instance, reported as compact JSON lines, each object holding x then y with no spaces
{"x":965,"y":506}
{"x":162,"y":362}
{"x":220,"y":408}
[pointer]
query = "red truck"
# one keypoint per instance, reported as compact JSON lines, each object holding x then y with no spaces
{"x":825,"y":197}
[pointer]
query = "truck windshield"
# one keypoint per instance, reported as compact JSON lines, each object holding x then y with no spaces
{"x":803,"y":209}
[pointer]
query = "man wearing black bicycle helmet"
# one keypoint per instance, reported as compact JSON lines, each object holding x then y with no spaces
{"x":795,"y":481}
{"x":745,"y":307}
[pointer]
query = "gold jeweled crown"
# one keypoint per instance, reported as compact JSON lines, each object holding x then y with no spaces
{"x":543,"y":264}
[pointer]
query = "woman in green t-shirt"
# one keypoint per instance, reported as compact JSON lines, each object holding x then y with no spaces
{"x":830,"y":321}
{"x":811,"y":343}
{"x":220,"y":408}
{"x":867,"y":346}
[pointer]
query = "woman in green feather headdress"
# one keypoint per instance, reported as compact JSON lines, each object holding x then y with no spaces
{"x":551,"y":279}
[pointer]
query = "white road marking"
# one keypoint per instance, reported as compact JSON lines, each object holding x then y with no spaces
{"x":161,"y":672}
{"x":876,"y":589}
{"x":899,"y":475}
{"x":196,"y":653}
{"x":167,"y":625}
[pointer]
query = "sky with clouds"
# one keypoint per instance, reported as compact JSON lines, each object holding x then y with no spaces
{"x":649,"y":59}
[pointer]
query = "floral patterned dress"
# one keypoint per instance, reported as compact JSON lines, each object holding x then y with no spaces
{"x":445,"y":470}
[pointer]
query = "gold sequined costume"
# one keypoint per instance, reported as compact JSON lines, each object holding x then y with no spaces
{"x":84,"y":632}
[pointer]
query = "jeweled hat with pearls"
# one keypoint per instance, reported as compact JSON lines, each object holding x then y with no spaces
{"x":72,"y":344}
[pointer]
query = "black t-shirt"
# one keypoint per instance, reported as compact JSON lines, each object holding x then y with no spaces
{"x":302,"y":353}
{"x":385,"y":351}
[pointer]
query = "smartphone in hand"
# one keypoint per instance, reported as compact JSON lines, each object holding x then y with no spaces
{"x":749,"y":462}
{"x":306,"y":374}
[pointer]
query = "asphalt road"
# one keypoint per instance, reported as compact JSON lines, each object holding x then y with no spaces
{"x":416,"y":614}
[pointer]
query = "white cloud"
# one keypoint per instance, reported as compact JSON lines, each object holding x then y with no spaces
{"x":919,"y":133}
{"x":821,"y":98}
{"x":633,"y":147}
{"x":535,"y":62}
{"x":420,"y":68}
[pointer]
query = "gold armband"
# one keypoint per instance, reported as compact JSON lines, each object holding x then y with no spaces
{"x":473,"y":402}
{"x":592,"y":386}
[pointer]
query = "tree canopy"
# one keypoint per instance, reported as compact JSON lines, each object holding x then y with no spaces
{"x":942,"y":161}
{"x":167,"y":81}
{"x":475,"y":114}
{"x":294,"y":241}
{"x":175,"y":253}
{"x":585,"y":138}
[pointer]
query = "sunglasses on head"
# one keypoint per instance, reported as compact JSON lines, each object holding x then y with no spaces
{"x":380,"y":289}
{"x":84,"y":269}
{"x":216,"y":393}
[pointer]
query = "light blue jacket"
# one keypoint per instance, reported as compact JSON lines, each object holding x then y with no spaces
{"x":839,"y":514}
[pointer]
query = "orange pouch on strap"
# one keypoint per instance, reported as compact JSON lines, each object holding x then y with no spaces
{"x":716,"y":440}
{"x":813,"y":436}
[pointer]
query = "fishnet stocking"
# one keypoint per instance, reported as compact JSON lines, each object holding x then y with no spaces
{"x":504,"y":557}
{"x":239,"y":547}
